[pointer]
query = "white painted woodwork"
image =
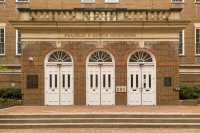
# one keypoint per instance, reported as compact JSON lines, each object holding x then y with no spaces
{"x":98,"y":94}
{"x":93,"y":91}
{"x":67,"y":89}
{"x":52,"y":92}
{"x":107,"y":90}
{"x":148,"y":90}
{"x":59,"y":95}
{"x":134,"y":92}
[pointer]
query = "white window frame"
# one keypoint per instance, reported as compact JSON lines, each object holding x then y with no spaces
{"x":17,"y":43}
{"x":111,"y":2}
{"x":183,"y":41}
{"x":2,"y":1}
{"x":4,"y":40}
{"x":21,"y":1}
{"x":177,"y":1}
{"x":87,"y":2}
{"x":196,"y":39}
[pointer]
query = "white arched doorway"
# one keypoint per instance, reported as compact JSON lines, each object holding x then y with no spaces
{"x":141,"y":78}
{"x":59,"y":83}
{"x":100,"y":78}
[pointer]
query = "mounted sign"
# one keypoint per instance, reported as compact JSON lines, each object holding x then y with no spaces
{"x":167,"y":81}
{"x":120,"y":88}
{"x":32,"y":81}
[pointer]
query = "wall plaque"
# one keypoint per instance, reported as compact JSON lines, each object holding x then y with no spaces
{"x":167,"y":81}
{"x":32,"y":81}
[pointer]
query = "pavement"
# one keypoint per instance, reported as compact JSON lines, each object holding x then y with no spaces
{"x":100,"y":109}
{"x":100,"y":130}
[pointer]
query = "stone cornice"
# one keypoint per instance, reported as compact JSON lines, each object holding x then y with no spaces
{"x":117,"y":26}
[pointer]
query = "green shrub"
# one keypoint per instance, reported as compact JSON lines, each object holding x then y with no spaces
{"x":189,"y":92}
{"x":8,"y":92}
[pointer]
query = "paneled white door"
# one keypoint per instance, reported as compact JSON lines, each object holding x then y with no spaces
{"x":147,"y":86}
{"x":67,"y":87}
{"x":107,"y":85}
{"x":134,"y":91}
{"x":141,"y":89}
{"x":59,"y":85}
{"x":52,"y":84}
{"x":100,"y":85}
{"x":93,"y":85}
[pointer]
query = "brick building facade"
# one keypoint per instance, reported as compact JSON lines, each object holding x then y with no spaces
{"x":126,"y":28}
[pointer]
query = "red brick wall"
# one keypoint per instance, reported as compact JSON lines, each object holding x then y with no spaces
{"x":189,"y":79}
{"x":163,"y":51}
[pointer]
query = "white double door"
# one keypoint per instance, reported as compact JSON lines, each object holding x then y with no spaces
{"x":100,"y":85}
{"x":141,"y":85}
{"x":59,"y":85}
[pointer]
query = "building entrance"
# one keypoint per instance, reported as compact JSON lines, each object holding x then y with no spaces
{"x":141,"y":79}
{"x":100,"y":79}
{"x":59,"y":88}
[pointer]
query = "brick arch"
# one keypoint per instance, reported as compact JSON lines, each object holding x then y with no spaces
{"x":145,"y":47}
{"x":54,"y":47}
{"x":104,"y":47}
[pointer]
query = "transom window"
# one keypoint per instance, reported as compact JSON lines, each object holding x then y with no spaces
{"x":100,"y":56}
{"x":18,"y":42}
{"x":59,"y":56}
{"x":181,"y":43}
{"x":197,"y":41}
{"x":140,"y":56}
{"x":177,"y":0}
{"x":2,"y":41}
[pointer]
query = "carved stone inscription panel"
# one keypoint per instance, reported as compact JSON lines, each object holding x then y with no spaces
{"x":100,"y":35}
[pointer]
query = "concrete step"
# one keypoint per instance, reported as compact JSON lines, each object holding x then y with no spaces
{"x":101,"y":116}
{"x":99,"y":120}
{"x":98,"y":125}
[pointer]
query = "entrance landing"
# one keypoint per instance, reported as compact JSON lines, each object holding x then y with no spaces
{"x":99,"y":109}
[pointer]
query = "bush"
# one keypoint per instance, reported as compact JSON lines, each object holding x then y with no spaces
{"x":189,"y":92}
{"x":8,"y":92}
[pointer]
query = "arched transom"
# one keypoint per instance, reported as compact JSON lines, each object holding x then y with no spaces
{"x":140,"y":56}
{"x":100,"y":56}
{"x":59,"y":56}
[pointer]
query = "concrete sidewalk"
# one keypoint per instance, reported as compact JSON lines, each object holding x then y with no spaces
{"x":99,"y":109}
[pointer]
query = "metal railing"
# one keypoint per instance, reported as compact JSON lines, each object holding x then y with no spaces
{"x":15,"y":100}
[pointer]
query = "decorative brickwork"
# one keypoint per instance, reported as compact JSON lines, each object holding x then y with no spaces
{"x":189,"y":79}
{"x":188,"y":102}
{"x":35,"y":96}
{"x":7,"y":79}
{"x":121,"y":48}
{"x":79,"y":48}
{"x":33,"y":49}
{"x":120,"y":80}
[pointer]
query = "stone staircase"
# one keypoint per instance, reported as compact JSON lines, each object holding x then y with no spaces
{"x":100,"y":121}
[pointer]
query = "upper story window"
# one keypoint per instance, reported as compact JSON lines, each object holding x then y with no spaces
{"x":111,"y":0}
{"x":18,"y":42}
{"x":2,"y":41}
{"x":181,"y":43}
{"x":22,"y":0}
{"x":177,"y":0}
{"x":197,"y":40}
{"x":88,"y":0}
{"x":197,"y":0}
{"x":2,"y":0}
